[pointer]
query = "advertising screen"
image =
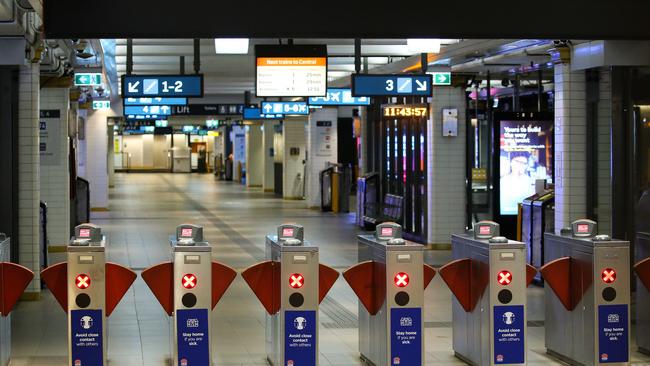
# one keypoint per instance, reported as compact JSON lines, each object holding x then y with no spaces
{"x":291,"y":70}
{"x":525,"y":155}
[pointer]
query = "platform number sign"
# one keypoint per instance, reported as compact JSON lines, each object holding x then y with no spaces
{"x":134,"y":86}
{"x":189,"y":281}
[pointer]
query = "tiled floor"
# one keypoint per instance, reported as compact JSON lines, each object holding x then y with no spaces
{"x":144,"y":211}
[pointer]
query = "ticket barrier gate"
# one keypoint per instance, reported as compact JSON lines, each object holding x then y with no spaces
{"x":188,"y":288}
{"x":14,"y":278}
{"x":290,"y":285}
{"x":642,"y":269}
{"x":587,"y":296}
{"x":390,"y":281}
{"x":88,"y":289}
{"x":488,"y":278}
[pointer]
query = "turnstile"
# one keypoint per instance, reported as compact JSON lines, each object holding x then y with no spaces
{"x":291,"y":284}
{"x":488,"y":278}
{"x":537,"y":218}
{"x":642,"y":269}
{"x":188,"y":288}
{"x":587,"y":295}
{"x":88,"y":289}
{"x":390,"y":281}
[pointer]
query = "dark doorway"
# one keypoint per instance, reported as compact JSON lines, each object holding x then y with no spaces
{"x":9,"y":154}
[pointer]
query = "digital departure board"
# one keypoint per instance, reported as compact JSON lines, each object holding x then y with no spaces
{"x":405,"y":111}
{"x":291,"y":70}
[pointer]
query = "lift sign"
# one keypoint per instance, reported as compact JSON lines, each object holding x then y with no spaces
{"x":86,"y":334}
{"x":509,"y":344}
{"x":613,"y":333}
{"x":300,"y":338}
{"x":192,"y":337}
{"x":406,"y":336}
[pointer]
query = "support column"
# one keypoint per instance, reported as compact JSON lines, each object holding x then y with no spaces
{"x":238,"y":138}
{"x":570,"y":145}
{"x":268,"y":182}
{"x":28,"y":174}
{"x":255,"y":156}
{"x":322,"y":145}
{"x":446,"y":195}
{"x":604,"y":154}
{"x":294,"y":144}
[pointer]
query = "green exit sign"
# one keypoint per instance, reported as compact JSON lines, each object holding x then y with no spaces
{"x":441,"y":78}
{"x":87,"y":79}
{"x":101,"y":104}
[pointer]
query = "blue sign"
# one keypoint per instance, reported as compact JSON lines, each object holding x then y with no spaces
{"x":339,"y":97}
{"x":285,"y":108}
{"x":158,"y":110}
{"x":509,"y":326}
{"x":256,"y":113}
{"x":87,"y":337}
{"x":155,"y":101}
{"x":300,"y":338}
{"x":192,"y":332}
{"x":364,"y":85}
{"x":406,"y":336}
{"x":141,"y":117}
{"x":613,"y":338}
{"x":162,"y":86}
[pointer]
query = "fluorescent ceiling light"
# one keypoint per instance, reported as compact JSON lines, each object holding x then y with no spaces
{"x":231,"y":46}
{"x":423,"y":45}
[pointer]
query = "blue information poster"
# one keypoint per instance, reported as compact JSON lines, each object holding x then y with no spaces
{"x":192,"y":336}
{"x":86,"y":333}
{"x":406,"y":336}
{"x":613,"y":333}
{"x":509,"y":342}
{"x":300,"y":338}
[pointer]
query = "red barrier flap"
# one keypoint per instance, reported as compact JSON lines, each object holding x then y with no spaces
{"x":429,"y":274}
{"x":264,"y":279}
{"x":368,"y":281}
{"x":642,"y":270}
{"x":14,"y":279}
{"x":118,"y":281}
{"x":222,"y":277}
{"x":458,"y":277}
{"x":160,"y":280}
{"x":326,"y":278}
{"x":531,"y":271}
{"x":557,"y":275}
{"x":56,"y":279}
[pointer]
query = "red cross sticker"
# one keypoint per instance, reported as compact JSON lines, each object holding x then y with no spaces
{"x":189,"y":281}
{"x":504,"y":278}
{"x":608,"y":275}
{"x":401,"y":279}
{"x":82,"y":281}
{"x":296,"y":280}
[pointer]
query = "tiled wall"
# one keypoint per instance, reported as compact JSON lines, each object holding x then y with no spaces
{"x":96,"y":168}
{"x":604,"y":172}
{"x":445,"y":168}
{"x":315,"y":163}
{"x":570,"y":145}
{"x":55,"y":178}
{"x":294,"y":136}
{"x":28,"y":171}
{"x":268,"y":183}
{"x":254,"y":154}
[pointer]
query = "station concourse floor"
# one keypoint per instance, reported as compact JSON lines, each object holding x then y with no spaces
{"x":146,"y":208}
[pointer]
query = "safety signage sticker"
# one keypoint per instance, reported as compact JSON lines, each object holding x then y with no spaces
{"x":613,"y":333}
{"x":86,"y":333}
{"x":406,"y":336}
{"x":509,"y":343}
{"x":300,"y":338}
{"x":192,"y":337}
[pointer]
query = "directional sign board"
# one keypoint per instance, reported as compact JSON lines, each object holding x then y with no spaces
{"x":441,"y":78}
{"x":159,"y":110}
{"x":208,"y":109}
{"x":285,"y":108}
{"x":162,"y":86}
{"x":155,"y":101}
{"x":291,"y":70}
{"x":256,"y":114}
{"x":391,"y":85}
{"x":339,"y":97}
{"x":87,"y":79}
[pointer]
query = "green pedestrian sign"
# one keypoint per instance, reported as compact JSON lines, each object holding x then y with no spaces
{"x":87,"y":79}
{"x":441,"y":78}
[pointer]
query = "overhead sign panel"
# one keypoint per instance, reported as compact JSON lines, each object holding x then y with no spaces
{"x":162,"y":86}
{"x":291,"y":70}
{"x":285,"y":108}
{"x":339,"y":97}
{"x":155,"y":101}
{"x":208,"y":109}
{"x":391,"y":85}
{"x":157,"y":110}
{"x":256,"y":114}
{"x":87,"y":79}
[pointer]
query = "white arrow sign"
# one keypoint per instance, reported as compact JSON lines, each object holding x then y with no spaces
{"x":267,"y":108}
{"x":133,"y":87}
{"x":421,"y":85}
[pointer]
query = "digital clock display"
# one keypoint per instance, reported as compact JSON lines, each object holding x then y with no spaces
{"x":405,"y":111}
